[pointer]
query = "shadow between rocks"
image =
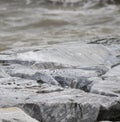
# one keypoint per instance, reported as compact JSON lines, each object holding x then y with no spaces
{"x":111,"y":114}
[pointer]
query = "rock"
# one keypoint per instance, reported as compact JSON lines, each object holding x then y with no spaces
{"x":63,"y":77}
{"x":61,"y":107}
{"x":68,"y":105}
{"x":17,"y":83}
{"x":14,"y":114}
{"x":114,"y":72}
{"x":48,"y":103}
{"x":63,"y":83}
{"x":97,"y":55}
{"x":108,"y":87}
{"x":3,"y":74}
{"x":45,"y":88}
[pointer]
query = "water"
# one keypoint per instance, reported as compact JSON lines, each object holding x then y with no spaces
{"x":36,"y":22}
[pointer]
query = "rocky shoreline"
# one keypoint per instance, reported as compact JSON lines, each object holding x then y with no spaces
{"x":70,"y":82}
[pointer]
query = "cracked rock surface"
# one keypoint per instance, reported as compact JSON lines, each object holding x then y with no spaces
{"x":61,"y":83}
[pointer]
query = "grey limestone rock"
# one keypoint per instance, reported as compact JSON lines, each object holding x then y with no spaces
{"x":62,"y":83}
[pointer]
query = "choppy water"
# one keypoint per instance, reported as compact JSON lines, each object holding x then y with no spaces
{"x":36,"y":22}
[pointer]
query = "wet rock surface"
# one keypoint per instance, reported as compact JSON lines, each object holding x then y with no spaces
{"x":63,"y":83}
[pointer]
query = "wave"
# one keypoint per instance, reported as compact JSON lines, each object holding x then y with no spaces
{"x":60,"y":2}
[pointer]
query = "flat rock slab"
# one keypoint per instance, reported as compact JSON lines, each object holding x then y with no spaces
{"x":81,"y":55}
{"x":106,"y":87}
{"x":14,"y":114}
{"x":114,"y":72}
{"x":109,"y":84}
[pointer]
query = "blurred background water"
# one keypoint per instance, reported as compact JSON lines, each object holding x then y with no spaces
{"x":45,"y":22}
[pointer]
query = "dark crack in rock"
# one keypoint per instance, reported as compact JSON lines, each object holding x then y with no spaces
{"x":106,"y":41}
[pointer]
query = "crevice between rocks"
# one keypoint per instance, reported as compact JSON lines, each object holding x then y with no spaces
{"x":106,"y":41}
{"x":33,"y":110}
{"x":79,"y":83}
{"x":111,"y":114}
{"x":115,"y":65}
